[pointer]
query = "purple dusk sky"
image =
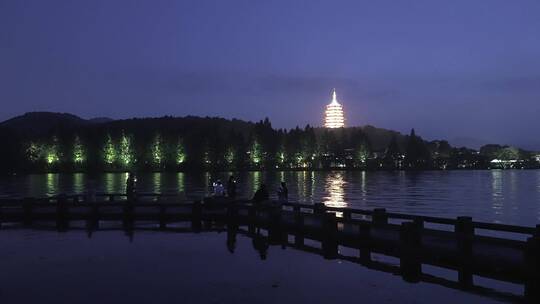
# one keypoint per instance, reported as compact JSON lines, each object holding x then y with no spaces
{"x":450,"y":69}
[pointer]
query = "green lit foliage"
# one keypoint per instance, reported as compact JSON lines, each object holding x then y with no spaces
{"x":508,"y":153}
{"x":360,"y":147}
{"x":157,"y":150}
{"x":48,"y":153}
{"x":34,"y":152}
{"x":281,"y":158}
{"x":109,"y":152}
{"x":52,"y":155}
{"x":79,"y":153}
{"x":361,"y":155}
{"x":299,"y":160}
{"x":180,"y":152}
{"x":229,"y":156}
{"x":125,"y":154}
{"x":255,"y":153}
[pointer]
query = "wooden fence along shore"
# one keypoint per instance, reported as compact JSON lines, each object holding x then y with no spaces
{"x":410,"y":238}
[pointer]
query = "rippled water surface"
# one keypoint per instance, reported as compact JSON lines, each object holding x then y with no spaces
{"x":160,"y":267}
{"x":511,"y":196}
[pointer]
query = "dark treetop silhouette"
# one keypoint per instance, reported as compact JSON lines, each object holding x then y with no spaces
{"x":62,"y":142}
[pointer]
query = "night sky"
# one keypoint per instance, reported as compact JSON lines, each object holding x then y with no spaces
{"x":459,"y":70}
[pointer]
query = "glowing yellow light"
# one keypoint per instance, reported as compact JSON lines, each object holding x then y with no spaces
{"x":334,"y":117}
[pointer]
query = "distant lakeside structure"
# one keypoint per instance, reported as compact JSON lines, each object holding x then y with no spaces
{"x":334,"y":116}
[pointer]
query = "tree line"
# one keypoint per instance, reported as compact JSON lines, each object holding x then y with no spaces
{"x":183,"y":144}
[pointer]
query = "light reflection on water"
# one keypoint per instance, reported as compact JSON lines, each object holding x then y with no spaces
{"x":497,"y":192}
{"x":52,"y":183}
{"x":181,"y":182}
{"x":511,"y":196}
{"x":335,"y":188}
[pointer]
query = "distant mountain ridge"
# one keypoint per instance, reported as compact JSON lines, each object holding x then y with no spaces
{"x":40,"y":123}
{"x":37,"y":123}
{"x":43,"y":123}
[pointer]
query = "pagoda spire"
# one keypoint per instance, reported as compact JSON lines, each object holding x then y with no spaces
{"x":334,"y":96}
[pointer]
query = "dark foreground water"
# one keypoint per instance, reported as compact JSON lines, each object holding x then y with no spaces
{"x":511,"y":196}
{"x":161,"y":267}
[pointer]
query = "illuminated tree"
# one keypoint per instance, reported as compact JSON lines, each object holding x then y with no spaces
{"x":281,"y":158}
{"x":361,"y":155}
{"x":361,"y":147}
{"x":52,"y":155}
{"x":126,"y":151}
{"x":34,"y":152}
{"x":79,"y":153}
{"x":255,"y":153}
{"x":229,"y":156}
{"x":109,"y":152}
{"x":508,"y":153}
{"x":180,"y":152}
{"x":157,"y":150}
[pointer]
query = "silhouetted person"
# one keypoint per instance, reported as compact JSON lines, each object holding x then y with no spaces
{"x":130,"y":186}
{"x":261,"y":245}
{"x":261,"y":195}
{"x":231,"y":187}
{"x":283,"y":192}
{"x":219,"y":190}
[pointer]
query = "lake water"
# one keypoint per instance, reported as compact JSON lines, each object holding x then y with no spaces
{"x":500,"y":196}
{"x":159,"y":267}
{"x":41,"y":265}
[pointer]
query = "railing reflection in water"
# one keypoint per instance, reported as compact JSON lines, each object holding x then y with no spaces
{"x":262,"y":240}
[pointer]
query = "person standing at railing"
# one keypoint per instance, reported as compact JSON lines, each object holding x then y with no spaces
{"x":261,"y":195}
{"x":130,"y":186}
{"x":231,"y":187}
{"x":283,"y":192}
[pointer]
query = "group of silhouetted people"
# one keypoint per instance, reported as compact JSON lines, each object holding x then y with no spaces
{"x":260,"y":195}
{"x":219,"y":189}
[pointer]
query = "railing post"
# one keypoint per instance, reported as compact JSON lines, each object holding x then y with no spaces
{"x":232,"y":212}
{"x":275,"y":231}
{"x":196,"y":215}
{"x":379,"y":216}
{"x":252,"y":218}
{"x":532,"y":264}
{"x":419,"y":222}
{"x":364,"y":241}
{"x":129,"y":218}
{"x":329,"y":241}
{"x":319,"y":208}
{"x":231,"y":237}
{"x":410,"y":264}
{"x":28,"y":206}
{"x":93,"y":220}
{"x":299,"y":226}
{"x":464,"y":231}
{"x":62,"y":213}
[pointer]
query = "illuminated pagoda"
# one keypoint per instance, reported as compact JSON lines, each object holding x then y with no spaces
{"x":334,"y":116}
